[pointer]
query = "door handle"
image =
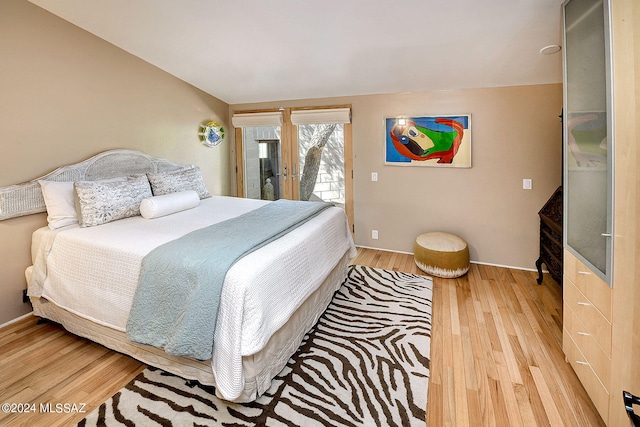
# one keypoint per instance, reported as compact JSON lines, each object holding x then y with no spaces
{"x":284,"y":177}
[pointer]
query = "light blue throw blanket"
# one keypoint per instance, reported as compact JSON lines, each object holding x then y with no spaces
{"x":176,"y":302}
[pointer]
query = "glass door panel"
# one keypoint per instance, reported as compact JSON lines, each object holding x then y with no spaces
{"x":296,"y":159}
{"x":262,"y":159}
{"x":321,"y":163}
{"x":588,"y":136}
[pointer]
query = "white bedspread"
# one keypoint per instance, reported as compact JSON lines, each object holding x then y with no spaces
{"x":93,"y":272}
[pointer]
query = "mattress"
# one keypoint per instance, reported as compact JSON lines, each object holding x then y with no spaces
{"x":258,"y":369}
{"x":92,"y":273}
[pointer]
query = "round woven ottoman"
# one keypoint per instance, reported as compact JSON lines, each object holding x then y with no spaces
{"x":441,"y":254}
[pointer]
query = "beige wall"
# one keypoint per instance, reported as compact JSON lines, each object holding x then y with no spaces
{"x":66,"y":95}
{"x":516,"y":134}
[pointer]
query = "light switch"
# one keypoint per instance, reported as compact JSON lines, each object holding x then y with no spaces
{"x":526,"y":184}
{"x":374,"y":176}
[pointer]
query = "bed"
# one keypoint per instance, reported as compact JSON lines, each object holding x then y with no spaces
{"x":85,"y":275}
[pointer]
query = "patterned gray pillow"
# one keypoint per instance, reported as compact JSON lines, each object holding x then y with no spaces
{"x":108,"y":200}
{"x":183,"y":179}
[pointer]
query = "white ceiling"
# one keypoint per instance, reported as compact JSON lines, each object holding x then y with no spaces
{"x":268,"y":50}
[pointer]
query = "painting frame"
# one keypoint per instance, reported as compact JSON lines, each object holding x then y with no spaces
{"x":431,"y":140}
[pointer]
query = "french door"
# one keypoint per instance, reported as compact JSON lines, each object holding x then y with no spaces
{"x":297,"y":154}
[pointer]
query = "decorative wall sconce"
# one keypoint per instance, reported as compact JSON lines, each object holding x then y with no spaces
{"x":212,"y":133}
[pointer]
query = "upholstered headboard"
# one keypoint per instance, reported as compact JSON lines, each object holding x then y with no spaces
{"x":26,"y":198}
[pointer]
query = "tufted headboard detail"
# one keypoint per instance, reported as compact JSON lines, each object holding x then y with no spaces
{"x":26,"y":198}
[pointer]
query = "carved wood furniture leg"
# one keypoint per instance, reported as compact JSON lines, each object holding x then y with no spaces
{"x":539,"y":267}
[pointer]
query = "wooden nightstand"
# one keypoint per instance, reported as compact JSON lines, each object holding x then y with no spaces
{"x":551,"y":237}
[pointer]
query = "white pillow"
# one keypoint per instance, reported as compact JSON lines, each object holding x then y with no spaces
{"x":158,"y":206}
{"x":59,"y":200}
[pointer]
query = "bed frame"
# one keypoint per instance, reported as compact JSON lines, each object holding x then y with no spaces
{"x":26,"y":198}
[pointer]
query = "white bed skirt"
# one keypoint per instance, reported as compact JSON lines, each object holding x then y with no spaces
{"x":258,"y":369}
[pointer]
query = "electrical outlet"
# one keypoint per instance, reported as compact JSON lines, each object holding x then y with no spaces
{"x":374,"y":234}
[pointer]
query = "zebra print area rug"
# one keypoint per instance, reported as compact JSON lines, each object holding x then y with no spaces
{"x":365,"y":363}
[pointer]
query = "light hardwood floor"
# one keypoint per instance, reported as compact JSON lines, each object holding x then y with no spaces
{"x":496,"y":357}
{"x":496,"y":350}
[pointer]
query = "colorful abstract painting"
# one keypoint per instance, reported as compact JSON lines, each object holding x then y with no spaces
{"x":429,"y":141}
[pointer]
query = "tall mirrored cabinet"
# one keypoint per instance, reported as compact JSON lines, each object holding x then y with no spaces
{"x":588,"y":197}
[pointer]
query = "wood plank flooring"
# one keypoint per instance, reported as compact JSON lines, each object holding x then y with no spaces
{"x":496,"y":357}
{"x":496,"y":349}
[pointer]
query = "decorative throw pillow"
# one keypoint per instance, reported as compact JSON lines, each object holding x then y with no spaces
{"x":104,"y":201}
{"x":167,"y":204}
{"x":59,"y":200}
{"x":183,"y":179}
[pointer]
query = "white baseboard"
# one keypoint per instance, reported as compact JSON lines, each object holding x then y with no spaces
{"x":472,"y":261}
{"x":508,"y":266}
{"x":384,"y":250}
{"x":17,"y":319}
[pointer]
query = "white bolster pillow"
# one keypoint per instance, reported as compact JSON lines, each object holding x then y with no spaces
{"x":157,"y":206}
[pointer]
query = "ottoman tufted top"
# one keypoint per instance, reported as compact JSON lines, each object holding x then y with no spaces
{"x":440,"y":241}
{"x":441,"y":254}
